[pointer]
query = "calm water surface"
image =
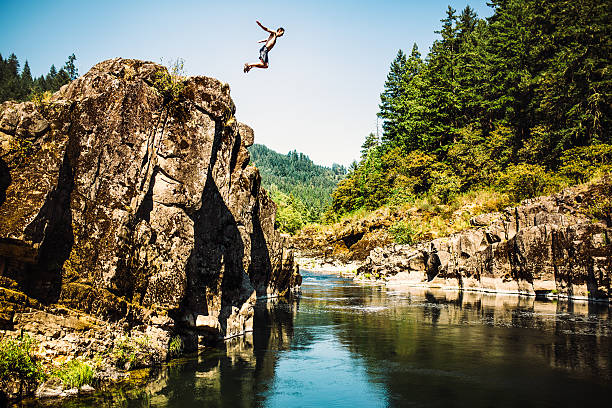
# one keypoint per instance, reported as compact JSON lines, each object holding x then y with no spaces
{"x":349,"y":345}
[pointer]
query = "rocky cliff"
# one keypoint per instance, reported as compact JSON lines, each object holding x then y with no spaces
{"x":556,"y":245}
{"x":127,"y":202}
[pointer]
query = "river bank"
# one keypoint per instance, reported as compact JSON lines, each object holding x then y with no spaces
{"x":328,"y":265}
{"x":559,"y":246}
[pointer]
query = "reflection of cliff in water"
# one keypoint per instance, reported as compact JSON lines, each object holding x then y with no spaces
{"x":470,"y":331}
{"x":236,"y":374}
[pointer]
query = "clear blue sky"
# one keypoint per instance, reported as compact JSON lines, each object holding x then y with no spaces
{"x":320,"y":95}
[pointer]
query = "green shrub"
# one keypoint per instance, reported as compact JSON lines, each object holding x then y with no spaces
{"x":169,"y":83}
{"x":41,"y":99}
{"x":403,"y":232}
{"x":599,"y":205}
{"x":445,"y":186}
{"x":21,"y":149}
{"x":75,"y":374}
{"x":175,"y":348}
{"x":582,"y":163}
{"x":18,"y":361}
{"x":528,"y":180}
{"x":289,"y":211}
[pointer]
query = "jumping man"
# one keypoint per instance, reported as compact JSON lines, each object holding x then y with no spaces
{"x":263,"y":52}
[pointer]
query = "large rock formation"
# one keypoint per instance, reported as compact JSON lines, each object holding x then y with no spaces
{"x":550,"y":245}
{"x":128,"y":198}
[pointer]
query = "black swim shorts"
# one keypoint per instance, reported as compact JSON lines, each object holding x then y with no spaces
{"x":263,"y":54}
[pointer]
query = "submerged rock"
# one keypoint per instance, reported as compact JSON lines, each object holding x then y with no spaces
{"x":549,"y":245}
{"x":119,"y":203}
{"x":49,"y":390}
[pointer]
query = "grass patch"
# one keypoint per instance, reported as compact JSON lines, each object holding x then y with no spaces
{"x":21,"y":149}
{"x":17,"y":360}
{"x":41,"y":99}
{"x":403,"y":232}
{"x":75,"y":374}
{"x":170,"y":84}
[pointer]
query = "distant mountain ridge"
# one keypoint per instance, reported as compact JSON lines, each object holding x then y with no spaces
{"x":294,"y":180}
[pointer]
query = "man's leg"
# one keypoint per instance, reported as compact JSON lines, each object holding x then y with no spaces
{"x":261,"y":64}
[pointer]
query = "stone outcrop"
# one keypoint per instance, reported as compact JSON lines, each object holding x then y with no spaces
{"x":551,"y":245}
{"x":347,"y":242}
{"x":132,"y":203}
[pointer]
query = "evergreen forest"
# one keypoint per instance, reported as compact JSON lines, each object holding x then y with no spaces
{"x":301,"y":189}
{"x":18,"y":84}
{"x":519,"y":103}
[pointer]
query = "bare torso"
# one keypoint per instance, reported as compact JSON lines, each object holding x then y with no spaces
{"x":271,"y":41}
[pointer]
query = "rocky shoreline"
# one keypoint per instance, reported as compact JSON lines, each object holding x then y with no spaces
{"x":557,"y":246}
{"x":129,"y":218}
{"x":326,"y":265}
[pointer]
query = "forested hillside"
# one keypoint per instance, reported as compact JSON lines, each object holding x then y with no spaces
{"x":301,"y":189}
{"x":17,"y":83}
{"x":518,"y":103}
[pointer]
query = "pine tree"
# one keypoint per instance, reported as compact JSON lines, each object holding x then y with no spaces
{"x":26,"y":74}
{"x":18,"y":86}
{"x":442,"y":92}
{"x":71,"y":68}
{"x":13,"y":66}
{"x":574,"y":97}
{"x":371,"y":141}
{"x":26,"y":81}
{"x":50,"y":79}
{"x":471,"y":38}
{"x":466,"y":23}
{"x":509,"y":77}
{"x":390,"y":98}
{"x":413,"y":124}
{"x":11,"y":87}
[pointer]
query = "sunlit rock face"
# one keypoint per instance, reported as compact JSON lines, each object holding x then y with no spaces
{"x":550,"y":245}
{"x":119,"y":203}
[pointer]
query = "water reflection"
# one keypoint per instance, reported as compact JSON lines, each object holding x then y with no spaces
{"x":347,"y":344}
{"x":235,"y":374}
{"x":435,"y":347}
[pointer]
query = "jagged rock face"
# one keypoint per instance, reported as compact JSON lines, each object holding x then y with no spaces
{"x":348,"y":241}
{"x":119,"y":204}
{"x":545,"y":245}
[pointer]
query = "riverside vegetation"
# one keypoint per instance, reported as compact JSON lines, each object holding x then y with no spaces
{"x":518,"y":103}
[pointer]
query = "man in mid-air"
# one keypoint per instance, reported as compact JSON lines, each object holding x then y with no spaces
{"x":263,"y":52}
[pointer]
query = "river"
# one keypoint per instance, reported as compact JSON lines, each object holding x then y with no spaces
{"x":343,"y":344}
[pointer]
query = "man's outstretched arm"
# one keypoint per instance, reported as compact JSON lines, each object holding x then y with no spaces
{"x":264,"y":27}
